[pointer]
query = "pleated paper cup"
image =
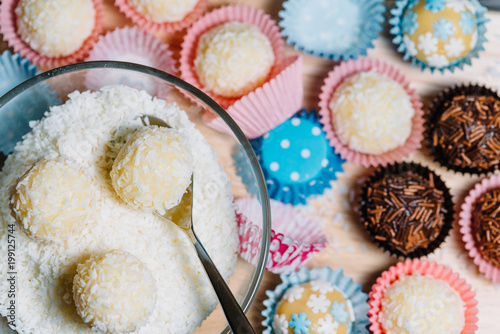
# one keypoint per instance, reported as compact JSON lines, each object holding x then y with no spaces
{"x":335,"y":78}
{"x":438,"y":271}
{"x":8,"y":28}
{"x":491,"y":271}
{"x":294,"y":238}
{"x":171,"y":26}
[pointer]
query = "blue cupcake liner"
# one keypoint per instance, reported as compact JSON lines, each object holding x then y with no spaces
{"x":18,"y":112}
{"x":396,"y":21}
{"x":308,"y":26}
{"x":351,"y":290}
{"x":307,"y":157}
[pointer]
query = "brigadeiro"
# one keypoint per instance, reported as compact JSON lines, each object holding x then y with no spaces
{"x":407,"y":209}
{"x":463,"y":129}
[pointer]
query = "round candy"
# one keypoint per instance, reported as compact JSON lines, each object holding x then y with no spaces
{"x":55,"y":28}
{"x":114,"y":292}
{"x":486,"y":226}
{"x":161,"y":11}
{"x":233,"y":59}
{"x":314,"y":307}
{"x":153,"y":169}
{"x":52,"y":200}
{"x":371,"y":113}
{"x":439,"y":32}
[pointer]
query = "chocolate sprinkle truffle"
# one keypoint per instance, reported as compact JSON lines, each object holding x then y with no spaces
{"x":407,"y":209}
{"x":486,"y":226}
{"x":464,"y":130}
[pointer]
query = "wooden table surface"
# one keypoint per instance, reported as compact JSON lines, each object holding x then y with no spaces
{"x":350,"y":247}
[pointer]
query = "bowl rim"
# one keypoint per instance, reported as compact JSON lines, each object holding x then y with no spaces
{"x":212,"y":105}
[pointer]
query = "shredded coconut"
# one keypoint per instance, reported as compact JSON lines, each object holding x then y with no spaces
{"x":89,"y":129}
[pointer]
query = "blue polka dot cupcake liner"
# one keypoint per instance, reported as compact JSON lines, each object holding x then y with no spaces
{"x":338,"y":30}
{"x":320,"y":300}
{"x":439,"y":35}
{"x":297,"y":159}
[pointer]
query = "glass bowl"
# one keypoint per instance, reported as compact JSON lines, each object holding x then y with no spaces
{"x":31,"y":99}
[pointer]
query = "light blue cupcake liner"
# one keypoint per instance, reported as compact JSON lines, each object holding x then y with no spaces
{"x":14,"y":70}
{"x":309,"y":156}
{"x":351,"y":290}
{"x":339,"y":29}
{"x":396,"y":30}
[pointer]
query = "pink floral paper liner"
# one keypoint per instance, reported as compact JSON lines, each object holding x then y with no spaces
{"x":126,"y":41}
{"x":294,"y":238}
{"x":433,"y":269}
{"x":8,"y":28}
{"x":150,"y":25}
{"x":491,"y":271}
{"x":240,"y":13}
{"x":269,"y":105}
{"x":335,"y":78}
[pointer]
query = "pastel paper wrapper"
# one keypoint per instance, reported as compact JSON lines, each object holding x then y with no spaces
{"x":151,"y":25}
{"x":336,"y":277}
{"x":491,"y":271}
{"x":267,"y":106}
{"x":131,"y":45}
{"x":335,"y":78}
{"x":8,"y":28}
{"x":433,"y":269}
{"x":294,"y":238}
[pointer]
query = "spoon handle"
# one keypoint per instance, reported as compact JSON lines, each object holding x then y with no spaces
{"x":234,"y":314}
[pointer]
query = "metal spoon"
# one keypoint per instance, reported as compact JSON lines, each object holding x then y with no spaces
{"x":181,"y":216}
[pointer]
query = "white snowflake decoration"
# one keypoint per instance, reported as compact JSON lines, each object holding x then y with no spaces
{"x":321,"y":286}
{"x":280,"y":324}
{"x":410,"y":45}
{"x":427,"y":43}
{"x":454,"y":47}
{"x":437,"y":61}
{"x":318,"y":303}
{"x":327,"y":325}
{"x":294,"y":293}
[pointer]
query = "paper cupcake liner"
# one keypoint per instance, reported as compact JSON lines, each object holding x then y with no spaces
{"x":294,"y":238}
{"x":396,"y":21}
{"x":435,"y":270}
{"x":336,"y":277}
{"x":269,"y":105}
{"x":148,"y":24}
{"x":297,"y":192}
{"x":379,"y":174}
{"x":14,"y":70}
{"x":434,"y":112}
{"x":335,"y":78}
{"x":491,"y":271}
{"x":371,"y":19}
{"x":220,"y":16}
{"x":8,"y":28}
{"x":130,"y":45}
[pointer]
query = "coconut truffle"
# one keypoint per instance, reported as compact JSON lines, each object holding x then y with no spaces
{"x":153,"y":169}
{"x":162,"y":11}
{"x":233,"y":59}
{"x":371,"y":113}
{"x":55,"y":28}
{"x":52,"y":200}
{"x":314,"y":307}
{"x":419,"y":304}
{"x":114,"y":292}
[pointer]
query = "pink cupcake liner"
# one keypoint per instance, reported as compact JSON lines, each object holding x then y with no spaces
{"x":335,"y":78}
{"x":294,"y":238}
{"x":150,"y":25}
{"x":269,"y":105}
{"x":433,"y":269}
{"x":131,"y":45}
{"x":8,"y":28}
{"x":220,"y":16}
{"x":491,"y":271}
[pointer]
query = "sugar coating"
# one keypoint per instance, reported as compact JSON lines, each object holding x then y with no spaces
{"x":114,"y":292}
{"x":371,"y":113}
{"x":52,"y":200}
{"x":419,"y":304}
{"x":233,"y":59}
{"x":162,"y":11}
{"x":55,"y":28}
{"x":153,"y":169}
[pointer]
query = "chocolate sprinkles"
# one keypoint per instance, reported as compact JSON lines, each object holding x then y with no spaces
{"x":486,"y":226}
